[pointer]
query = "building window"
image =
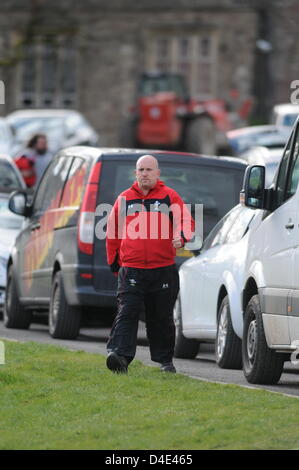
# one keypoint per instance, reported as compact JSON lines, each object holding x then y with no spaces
{"x":195,"y":56}
{"x":48,"y":74}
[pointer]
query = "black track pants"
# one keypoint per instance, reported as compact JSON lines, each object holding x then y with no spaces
{"x":152,"y":290}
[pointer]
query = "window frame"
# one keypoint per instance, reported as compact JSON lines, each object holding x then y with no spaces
{"x":173,"y":61}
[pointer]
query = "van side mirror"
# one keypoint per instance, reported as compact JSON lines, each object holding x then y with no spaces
{"x":253,"y":192}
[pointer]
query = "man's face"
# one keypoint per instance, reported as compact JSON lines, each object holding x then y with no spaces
{"x":41,"y":145}
{"x":147,"y":172}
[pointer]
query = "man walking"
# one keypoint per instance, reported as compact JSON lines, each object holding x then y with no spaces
{"x":149,"y":221}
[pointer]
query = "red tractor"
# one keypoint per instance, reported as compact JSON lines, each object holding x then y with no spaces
{"x":166,"y":117}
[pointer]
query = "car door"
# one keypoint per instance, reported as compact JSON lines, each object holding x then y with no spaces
{"x":279,"y":228}
{"x":292,"y":191}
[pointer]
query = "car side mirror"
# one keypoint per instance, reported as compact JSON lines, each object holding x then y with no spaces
{"x":18,"y":203}
{"x":253,"y":192}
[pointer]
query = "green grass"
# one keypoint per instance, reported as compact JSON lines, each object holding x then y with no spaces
{"x":52,"y":398}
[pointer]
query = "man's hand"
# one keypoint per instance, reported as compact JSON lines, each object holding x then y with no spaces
{"x":177,"y":242}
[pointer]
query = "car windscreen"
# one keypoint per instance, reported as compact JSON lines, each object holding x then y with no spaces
{"x":217,"y":188}
{"x":26,"y":127}
{"x":289,"y":119}
{"x":267,"y":139}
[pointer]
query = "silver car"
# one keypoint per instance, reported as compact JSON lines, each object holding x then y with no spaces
{"x":62,"y":127}
{"x":10,"y":225}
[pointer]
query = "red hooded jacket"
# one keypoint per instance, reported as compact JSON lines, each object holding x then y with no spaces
{"x":141,"y":228}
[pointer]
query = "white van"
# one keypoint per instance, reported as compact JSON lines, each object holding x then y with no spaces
{"x":271,"y":290}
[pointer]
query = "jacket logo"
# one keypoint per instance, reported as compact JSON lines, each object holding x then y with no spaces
{"x":132,"y":282}
{"x":156,"y":205}
{"x":165,"y":285}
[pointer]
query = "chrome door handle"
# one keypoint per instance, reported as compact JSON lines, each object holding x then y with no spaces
{"x":289,"y":226}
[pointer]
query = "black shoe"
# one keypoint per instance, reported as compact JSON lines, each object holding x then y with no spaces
{"x":116,"y":363}
{"x":168,"y":367}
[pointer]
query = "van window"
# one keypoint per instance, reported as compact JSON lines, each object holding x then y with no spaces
{"x":50,"y":188}
{"x":217,"y":188}
{"x":282,"y":175}
{"x":73,"y":189}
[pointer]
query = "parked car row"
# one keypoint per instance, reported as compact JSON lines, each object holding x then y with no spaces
{"x":63,"y":128}
{"x":58,"y":264}
{"x":238,"y":292}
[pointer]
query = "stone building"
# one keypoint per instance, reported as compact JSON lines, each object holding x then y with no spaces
{"x":88,"y":54}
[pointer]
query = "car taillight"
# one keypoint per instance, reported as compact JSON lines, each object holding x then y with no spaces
{"x":87,"y":212}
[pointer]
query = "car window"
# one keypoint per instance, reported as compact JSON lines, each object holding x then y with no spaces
{"x":289,"y":119}
{"x":73,"y":189}
{"x":240,"y":225}
{"x":220,"y":237}
{"x":8,"y":176}
{"x":25,"y":127}
{"x":51,"y":186}
{"x":214,"y":232}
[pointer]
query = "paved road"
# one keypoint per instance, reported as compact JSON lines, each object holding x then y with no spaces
{"x":203,"y":367}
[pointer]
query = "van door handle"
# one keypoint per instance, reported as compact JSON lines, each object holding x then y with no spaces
{"x":289,"y":226}
{"x":35,"y":227}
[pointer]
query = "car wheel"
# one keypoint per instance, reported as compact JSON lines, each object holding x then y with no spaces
{"x":261,"y":365}
{"x":185,"y":348}
{"x":64,"y":320}
{"x":228,"y":346}
{"x":14,"y":315}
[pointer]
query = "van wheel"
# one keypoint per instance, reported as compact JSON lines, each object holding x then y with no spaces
{"x":261,"y":365}
{"x":15,"y":315}
{"x":185,"y":348}
{"x":64,"y":320}
{"x":228,"y":346}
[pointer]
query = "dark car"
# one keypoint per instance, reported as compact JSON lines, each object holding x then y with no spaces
{"x":58,"y":263}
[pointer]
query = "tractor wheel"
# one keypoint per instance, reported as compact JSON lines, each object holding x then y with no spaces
{"x":201,"y":136}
